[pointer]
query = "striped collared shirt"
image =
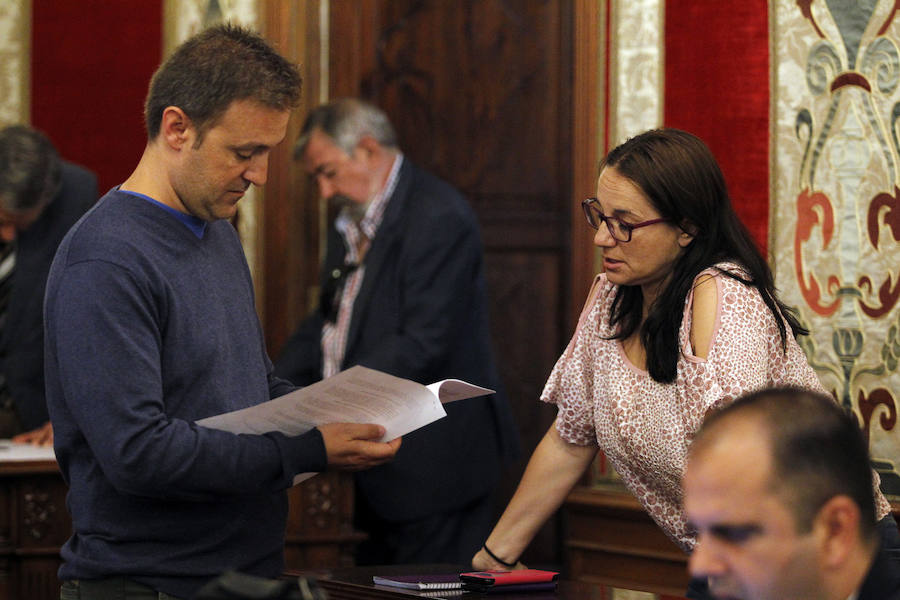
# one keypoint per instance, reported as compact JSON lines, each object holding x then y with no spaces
{"x":357,"y":238}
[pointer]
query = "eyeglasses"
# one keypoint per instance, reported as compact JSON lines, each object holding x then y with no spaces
{"x":618,"y":229}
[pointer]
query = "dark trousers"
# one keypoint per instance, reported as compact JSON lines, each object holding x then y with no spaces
{"x":452,"y":538}
{"x":890,"y":540}
{"x":109,"y":588}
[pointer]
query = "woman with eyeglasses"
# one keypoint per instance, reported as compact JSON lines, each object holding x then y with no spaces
{"x":683,"y":318}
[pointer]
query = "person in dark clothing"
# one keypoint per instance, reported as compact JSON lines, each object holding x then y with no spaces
{"x":151,"y":327}
{"x":403,"y":292}
{"x":41,"y":197}
{"x":778,"y":488}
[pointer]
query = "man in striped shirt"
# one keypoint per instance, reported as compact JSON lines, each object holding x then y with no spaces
{"x":403,"y":291}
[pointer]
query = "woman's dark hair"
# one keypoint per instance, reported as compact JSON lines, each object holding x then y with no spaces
{"x":680,"y":177}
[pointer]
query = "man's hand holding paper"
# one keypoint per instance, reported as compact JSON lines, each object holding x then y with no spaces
{"x":353,"y":447}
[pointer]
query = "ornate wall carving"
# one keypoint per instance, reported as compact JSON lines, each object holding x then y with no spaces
{"x":835,"y":214}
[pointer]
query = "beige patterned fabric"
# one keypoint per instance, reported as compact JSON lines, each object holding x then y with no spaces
{"x":636,"y":68}
{"x":15,"y":28}
{"x":644,"y":427}
{"x":835,"y":212}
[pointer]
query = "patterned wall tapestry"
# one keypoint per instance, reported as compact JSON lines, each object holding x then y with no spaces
{"x":14,"y":47}
{"x":835,"y":213}
{"x":635,"y":68}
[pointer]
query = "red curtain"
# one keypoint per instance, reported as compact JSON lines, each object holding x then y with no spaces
{"x":717,"y":87}
{"x":91,"y":62}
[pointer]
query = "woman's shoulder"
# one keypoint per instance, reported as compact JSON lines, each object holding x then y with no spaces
{"x":724,"y":269}
{"x":736,"y":300}
{"x":728,"y":278}
{"x":598,"y":301}
{"x":601,"y":288}
{"x":603,"y":292}
{"x":721,"y":296}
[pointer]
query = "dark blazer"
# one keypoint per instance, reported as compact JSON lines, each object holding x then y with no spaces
{"x":883,"y":580}
{"x":22,"y":341}
{"x":421,"y":314}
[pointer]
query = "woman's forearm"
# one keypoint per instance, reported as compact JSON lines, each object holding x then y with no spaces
{"x":554,"y":468}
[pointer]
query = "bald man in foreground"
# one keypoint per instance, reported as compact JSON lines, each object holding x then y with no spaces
{"x":779,"y":489}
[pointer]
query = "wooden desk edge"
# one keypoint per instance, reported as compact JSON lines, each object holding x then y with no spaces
{"x":18,"y":467}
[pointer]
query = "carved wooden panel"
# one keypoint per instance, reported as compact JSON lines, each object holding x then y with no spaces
{"x":34,"y":523}
{"x":611,"y":538}
{"x":320,"y":523}
{"x":289,"y":220}
{"x":514,"y":277}
{"x":478,"y":92}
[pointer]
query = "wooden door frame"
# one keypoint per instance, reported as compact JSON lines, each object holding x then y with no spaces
{"x":588,"y":96}
{"x":290,"y":221}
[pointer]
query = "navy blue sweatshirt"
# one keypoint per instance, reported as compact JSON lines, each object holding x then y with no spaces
{"x":150,"y":328}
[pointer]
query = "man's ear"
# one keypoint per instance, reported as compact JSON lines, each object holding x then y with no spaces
{"x":836,"y":527}
{"x":176,"y":128}
{"x":369,"y":147}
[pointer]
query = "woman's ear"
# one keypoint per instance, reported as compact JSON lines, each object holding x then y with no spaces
{"x":688,"y":232}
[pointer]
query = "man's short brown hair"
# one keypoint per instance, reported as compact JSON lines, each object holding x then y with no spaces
{"x":216,"y":67}
{"x":818,"y":451}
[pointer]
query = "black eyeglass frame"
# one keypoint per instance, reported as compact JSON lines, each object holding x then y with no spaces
{"x":592,"y":213}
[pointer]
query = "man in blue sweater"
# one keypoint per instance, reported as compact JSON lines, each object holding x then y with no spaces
{"x":150,"y":327}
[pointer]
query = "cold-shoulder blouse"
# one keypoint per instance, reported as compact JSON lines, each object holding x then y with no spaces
{"x":644,"y":427}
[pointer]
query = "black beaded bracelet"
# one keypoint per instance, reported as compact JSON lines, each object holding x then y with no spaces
{"x":497,"y":558}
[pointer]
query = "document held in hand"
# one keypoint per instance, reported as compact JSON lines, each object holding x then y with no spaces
{"x":357,"y":395}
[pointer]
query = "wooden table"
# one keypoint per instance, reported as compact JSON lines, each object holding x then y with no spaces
{"x":611,"y":539}
{"x":355,"y":583}
{"x":34,"y":522}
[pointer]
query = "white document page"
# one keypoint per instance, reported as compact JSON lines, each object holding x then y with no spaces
{"x":357,"y":395}
{"x":16,"y":452}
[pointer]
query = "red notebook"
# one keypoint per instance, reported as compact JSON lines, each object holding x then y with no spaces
{"x":486,"y":581}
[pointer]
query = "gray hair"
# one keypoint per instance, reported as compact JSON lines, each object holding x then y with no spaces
{"x":346,"y":121}
{"x":29,"y":169}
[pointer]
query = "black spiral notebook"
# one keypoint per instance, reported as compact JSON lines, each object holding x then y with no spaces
{"x":441,"y":581}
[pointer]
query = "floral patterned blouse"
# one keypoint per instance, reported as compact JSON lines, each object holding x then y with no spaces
{"x":644,"y":427}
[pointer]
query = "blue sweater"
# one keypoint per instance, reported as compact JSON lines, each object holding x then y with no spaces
{"x":149,"y":329}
